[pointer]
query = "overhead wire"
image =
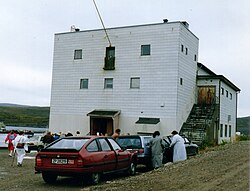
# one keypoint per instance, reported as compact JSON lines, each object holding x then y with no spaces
{"x":102,"y":23}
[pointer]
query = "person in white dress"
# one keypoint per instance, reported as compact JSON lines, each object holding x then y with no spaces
{"x":21,"y":146}
{"x":177,"y":143}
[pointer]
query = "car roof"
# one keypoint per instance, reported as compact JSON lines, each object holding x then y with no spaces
{"x":135,"y":136}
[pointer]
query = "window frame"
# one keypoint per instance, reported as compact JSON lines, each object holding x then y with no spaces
{"x":145,"y":50}
{"x":108,"y":84}
{"x":82,"y":86}
{"x":135,"y":84}
{"x":77,"y":56}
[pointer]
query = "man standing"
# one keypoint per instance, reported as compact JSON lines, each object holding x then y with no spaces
{"x":48,"y":138}
{"x":156,"y":144}
{"x":179,"y":147}
{"x":116,"y":134}
{"x":21,"y":146}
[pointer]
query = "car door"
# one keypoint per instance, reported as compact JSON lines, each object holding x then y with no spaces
{"x":123,"y":157}
{"x":108,"y":155}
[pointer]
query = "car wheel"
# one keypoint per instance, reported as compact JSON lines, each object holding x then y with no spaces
{"x":95,"y":178}
{"x":132,"y":168}
{"x":49,"y":178}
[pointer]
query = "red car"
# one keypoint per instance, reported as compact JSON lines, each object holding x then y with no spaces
{"x":76,"y":156}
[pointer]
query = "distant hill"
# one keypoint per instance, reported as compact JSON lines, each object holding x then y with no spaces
{"x":243,"y":125}
{"x":13,"y":105}
{"x":23,"y":115}
{"x":34,"y":116}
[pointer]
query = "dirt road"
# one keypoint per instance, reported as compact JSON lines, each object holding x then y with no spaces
{"x":221,"y":168}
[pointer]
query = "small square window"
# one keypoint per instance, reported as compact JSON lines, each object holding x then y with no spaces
{"x":135,"y":82}
{"x":108,"y":83}
{"x":145,"y":50}
{"x":78,"y":54}
{"x":84,"y":84}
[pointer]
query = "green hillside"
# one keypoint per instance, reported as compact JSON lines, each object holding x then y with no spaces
{"x":24,"y":116}
{"x":243,"y":125}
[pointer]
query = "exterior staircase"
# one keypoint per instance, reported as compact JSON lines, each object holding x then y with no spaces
{"x":200,"y":122}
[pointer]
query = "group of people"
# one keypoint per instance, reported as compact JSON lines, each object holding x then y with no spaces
{"x":157,"y":145}
{"x":17,"y":144}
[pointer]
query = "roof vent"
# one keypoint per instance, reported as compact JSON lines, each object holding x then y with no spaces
{"x":74,"y":29}
{"x":165,"y":20}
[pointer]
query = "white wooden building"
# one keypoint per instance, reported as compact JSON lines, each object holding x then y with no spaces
{"x":144,"y":80}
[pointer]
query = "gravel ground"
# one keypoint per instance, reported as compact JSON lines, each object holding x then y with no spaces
{"x":225,"y":167}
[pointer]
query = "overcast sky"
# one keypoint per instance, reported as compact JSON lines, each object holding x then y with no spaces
{"x":27,"y":31}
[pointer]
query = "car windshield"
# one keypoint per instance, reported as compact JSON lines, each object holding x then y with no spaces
{"x":75,"y":144}
{"x":130,"y":142}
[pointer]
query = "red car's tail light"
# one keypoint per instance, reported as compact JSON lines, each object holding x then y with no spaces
{"x":80,"y":162}
{"x":39,"y":161}
{"x":141,"y":151}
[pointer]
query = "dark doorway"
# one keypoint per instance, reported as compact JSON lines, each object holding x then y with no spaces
{"x":103,"y":126}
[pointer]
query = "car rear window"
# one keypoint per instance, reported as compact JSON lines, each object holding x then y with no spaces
{"x":71,"y":144}
{"x":130,"y":142}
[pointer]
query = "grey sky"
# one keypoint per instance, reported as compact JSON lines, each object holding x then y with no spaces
{"x":27,"y":31}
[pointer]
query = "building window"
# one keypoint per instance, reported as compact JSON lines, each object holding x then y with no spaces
{"x":221,"y":130}
{"x":226,"y":93}
{"x":84,"y":84}
{"x":109,"y":60}
{"x":145,"y":50}
{"x":195,"y":57}
{"x":182,"y":48}
{"x":78,"y":54}
{"x":230,"y":130}
{"x":186,"y":51}
{"x":231,"y":96}
{"x":181,"y":81}
{"x":108,"y":83}
{"x":135,"y":83}
{"x":225,"y":130}
{"x":222,"y":91}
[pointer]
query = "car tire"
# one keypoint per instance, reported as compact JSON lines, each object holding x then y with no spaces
{"x":95,"y":178}
{"x":132,"y":169}
{"x":49,"y":178}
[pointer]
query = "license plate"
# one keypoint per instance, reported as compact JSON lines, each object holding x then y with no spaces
{"x":59,"y":161}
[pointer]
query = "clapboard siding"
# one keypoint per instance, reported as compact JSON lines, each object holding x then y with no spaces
{"x":160,"y":94}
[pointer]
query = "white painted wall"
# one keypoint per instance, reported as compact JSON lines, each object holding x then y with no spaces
{"x":160,"y":94}
{"x":228,"y":108}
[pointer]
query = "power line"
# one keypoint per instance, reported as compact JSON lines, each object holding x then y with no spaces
{"x":102,"y":23}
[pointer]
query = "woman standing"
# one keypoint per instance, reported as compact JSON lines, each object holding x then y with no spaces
{"x":179,"y":147}
{"x":10,"y":137}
